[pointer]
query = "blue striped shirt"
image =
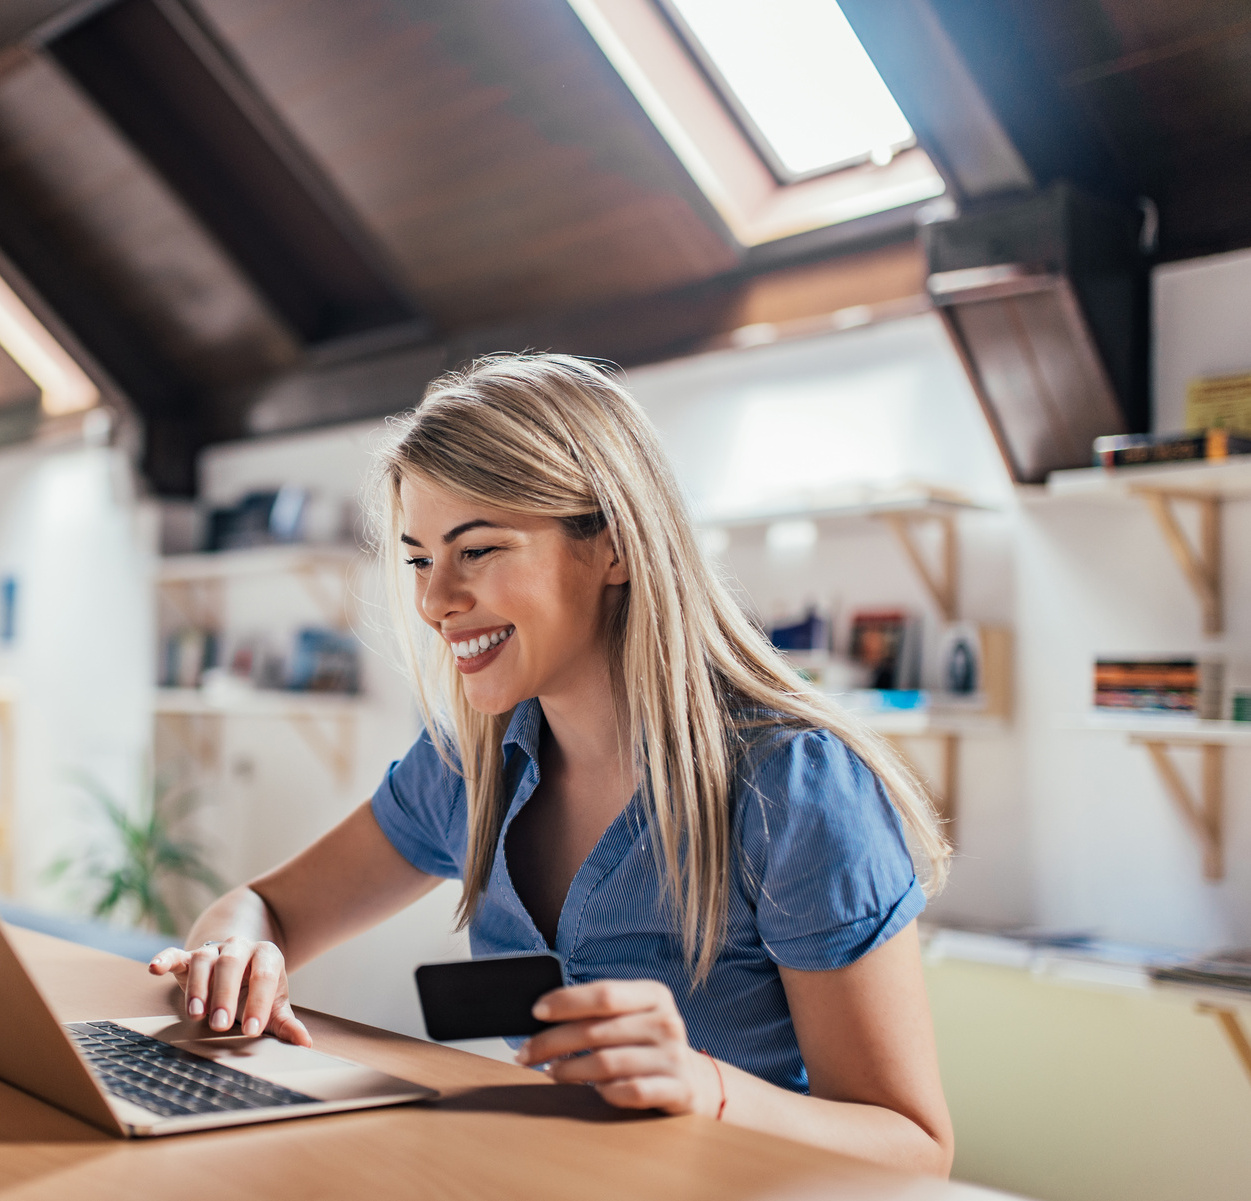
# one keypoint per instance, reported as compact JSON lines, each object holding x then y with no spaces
{"x":820,"y":875}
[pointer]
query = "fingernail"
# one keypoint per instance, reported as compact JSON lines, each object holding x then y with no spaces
{"x":252,"y":1027}
{"x":195,"y":1007}
{"x":220,"y":1020}
{"x":541,"y":1010}
{"x":523,"y":1053}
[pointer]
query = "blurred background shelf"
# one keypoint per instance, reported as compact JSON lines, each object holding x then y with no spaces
{"x":1165,"y":727}
{"x":1229,"y":479}
{"x":919,"y":501}
{"x":325,"y":722}
{"x":254,"y":703}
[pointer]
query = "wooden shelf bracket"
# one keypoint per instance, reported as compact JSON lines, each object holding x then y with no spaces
{"x":940,"y":583}
{"x":944,"y":797}
{"x":1232,"y":1027}
{"x":1203,"y":814}
{"x":334,"y":751}
{"x":1201,"y":565}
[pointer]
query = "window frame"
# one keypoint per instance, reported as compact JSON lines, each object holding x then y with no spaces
{"x":708,"y":137}
{"x":738,"y":110}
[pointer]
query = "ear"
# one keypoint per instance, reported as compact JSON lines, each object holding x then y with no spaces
{"x":615,"y":572}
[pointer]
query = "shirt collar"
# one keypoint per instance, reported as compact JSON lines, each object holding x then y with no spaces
{"x":524,"y":726}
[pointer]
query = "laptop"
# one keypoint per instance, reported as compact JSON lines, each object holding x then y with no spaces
{"x":138,"y":1077}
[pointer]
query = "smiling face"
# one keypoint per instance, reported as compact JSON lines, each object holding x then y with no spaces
{"x":522,"y":605}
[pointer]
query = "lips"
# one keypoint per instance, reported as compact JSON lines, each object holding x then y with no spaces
{"x":480,"y":649}
{"x":471,"y":648}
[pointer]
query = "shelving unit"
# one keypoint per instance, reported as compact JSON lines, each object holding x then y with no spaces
{"x":1162,"y":487}
{"x":195,"y":586}
{"x":326,"y":723}
{"x":946,"y":729}
{"x":1164,"y":735}
{"x":902,"y":512}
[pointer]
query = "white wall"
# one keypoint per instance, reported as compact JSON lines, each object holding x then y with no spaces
{"x":80,"y":544}
{"x":782,"y":426}
{"x":1059,"y":827}
{"x":1201,"y":325}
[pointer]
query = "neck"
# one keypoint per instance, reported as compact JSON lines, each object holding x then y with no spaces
{"x":589,"y":725}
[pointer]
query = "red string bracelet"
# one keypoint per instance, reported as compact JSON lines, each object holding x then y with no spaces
{"x":716,"y":1067}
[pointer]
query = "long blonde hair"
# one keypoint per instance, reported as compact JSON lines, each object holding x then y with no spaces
{"x":556,"y":436}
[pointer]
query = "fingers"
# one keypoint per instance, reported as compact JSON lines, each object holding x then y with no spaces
{"x":604,"y":998}
{"x":613,"y":1063}
{"x":647,"y":1092}
{"x":201,"y":963}
{"x":213,"y":976}
{"x":285,"y":1025}
{"x":172,"y":959}
{"x":233,"y":959}
{"x":265,"y":977}
{"x":574,"y":1037}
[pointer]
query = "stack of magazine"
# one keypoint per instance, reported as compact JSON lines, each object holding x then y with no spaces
{"x":1226,"y":969}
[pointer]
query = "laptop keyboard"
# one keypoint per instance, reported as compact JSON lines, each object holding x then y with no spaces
{"x":168,"y":1080}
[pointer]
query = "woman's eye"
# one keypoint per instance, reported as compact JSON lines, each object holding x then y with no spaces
{"x":420,"y":562}
{"x":477,"y":552}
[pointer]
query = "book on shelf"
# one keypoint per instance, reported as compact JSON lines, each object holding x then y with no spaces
{"x":886,"y":643}
{"x":1124,"y":450}
{"x":1225,"y":969}
{"x":1184,"y":686}
{"x":1219,"y":402}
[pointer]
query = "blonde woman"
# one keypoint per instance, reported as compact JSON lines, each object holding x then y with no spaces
{"x":620,"y":769}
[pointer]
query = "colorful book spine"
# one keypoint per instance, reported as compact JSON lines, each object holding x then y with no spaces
{"x":1160,"y":685}
{"x":1124,"y":450}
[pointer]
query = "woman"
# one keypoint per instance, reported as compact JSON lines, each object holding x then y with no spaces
{"x":620,"y":769}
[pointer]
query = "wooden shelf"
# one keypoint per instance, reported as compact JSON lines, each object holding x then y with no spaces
{"x":261,"y":560}
{"x":1204,"y":812}
{"x":1227,"y":478}
{"x":901,"y":510}
{"x":260,"y":702}
{"x":1161,"y":487}
{"x":1166,"y":726}
{"x":325,"y":722}
{"x":196,"y":584}
{"x":917,"y":502}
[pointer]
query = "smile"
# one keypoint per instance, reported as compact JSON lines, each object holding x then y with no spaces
{"x":471,"y":648}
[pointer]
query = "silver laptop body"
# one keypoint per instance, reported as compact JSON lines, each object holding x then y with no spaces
{"x":40,"y":1056}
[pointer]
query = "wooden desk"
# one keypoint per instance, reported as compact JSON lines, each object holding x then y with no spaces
{"x":499,"y":1131}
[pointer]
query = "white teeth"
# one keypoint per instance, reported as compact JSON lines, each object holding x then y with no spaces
{"x":473,"y":647}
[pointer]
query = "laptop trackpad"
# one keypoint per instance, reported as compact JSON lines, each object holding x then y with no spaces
{"x":300,"y":1068}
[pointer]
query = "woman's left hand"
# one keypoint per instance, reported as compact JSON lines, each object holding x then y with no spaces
{"x":637,"y":1055}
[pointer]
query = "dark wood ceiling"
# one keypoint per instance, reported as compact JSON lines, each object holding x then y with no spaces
{"x":320,"y":181}
{"x":1136,"y":98}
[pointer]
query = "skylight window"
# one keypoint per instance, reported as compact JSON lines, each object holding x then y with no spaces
{"x":772,"y":106}
{"x":798,"y":80}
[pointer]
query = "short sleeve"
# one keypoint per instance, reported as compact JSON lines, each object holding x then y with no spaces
{"x":416,"y":805}
{"x":824,"y":857}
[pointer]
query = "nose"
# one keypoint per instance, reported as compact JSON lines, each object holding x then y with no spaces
{"x":443,"y":595}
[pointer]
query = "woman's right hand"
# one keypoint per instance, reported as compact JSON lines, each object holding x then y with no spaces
{"x":215,"y":976}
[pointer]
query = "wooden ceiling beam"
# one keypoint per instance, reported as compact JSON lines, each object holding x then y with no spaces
{"x":178,"y":97}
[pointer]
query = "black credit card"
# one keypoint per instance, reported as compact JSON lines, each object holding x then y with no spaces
{"x":486,"y":998}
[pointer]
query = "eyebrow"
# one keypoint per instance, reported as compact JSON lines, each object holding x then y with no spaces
{"x":456,"y":531}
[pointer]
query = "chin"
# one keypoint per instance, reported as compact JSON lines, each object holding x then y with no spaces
{"x":491,"y":701}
